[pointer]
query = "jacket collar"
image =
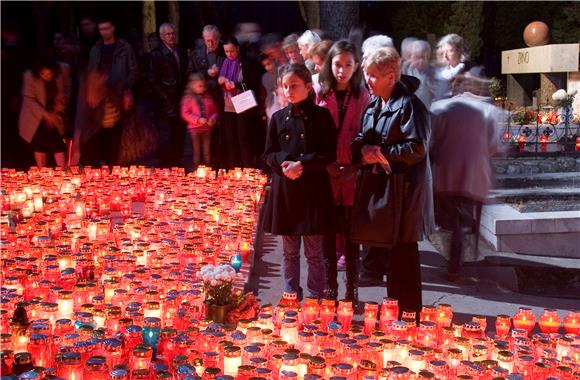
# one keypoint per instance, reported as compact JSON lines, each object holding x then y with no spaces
{"x":119,"y":43}
{"x":394,"y":103}
{"x":304,"y":107}
{"x":166,"y":50}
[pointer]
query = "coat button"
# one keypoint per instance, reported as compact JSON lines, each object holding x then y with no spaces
{"x":287,"y":137}
{"x":301,"y":154}
{"x":305,"y":117}
{"x":302,"y":136}
{"x":287,"y":117}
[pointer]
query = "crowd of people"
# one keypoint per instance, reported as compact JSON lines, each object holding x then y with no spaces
{"x":365,"y":146}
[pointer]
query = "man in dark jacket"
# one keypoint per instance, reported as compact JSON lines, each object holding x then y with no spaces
{"x":167,"y":78}
{"x":207,"y":59}
{"x":113,"y":70}
{"x":391,"y":186}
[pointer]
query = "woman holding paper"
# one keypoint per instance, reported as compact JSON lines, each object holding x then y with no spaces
{"x":240,"y":132}
{"x":391,"y":185}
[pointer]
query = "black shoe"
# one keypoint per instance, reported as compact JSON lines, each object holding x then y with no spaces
{"x":369,"y":281}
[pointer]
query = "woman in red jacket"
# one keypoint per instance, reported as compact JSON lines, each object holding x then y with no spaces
{"x":342,"y":92}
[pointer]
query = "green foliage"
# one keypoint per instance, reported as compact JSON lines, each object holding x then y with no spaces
{"x":563,"y":29}
{"x":466,"y":19}
{"x":419,"y":19}
{"x":496,"y":87}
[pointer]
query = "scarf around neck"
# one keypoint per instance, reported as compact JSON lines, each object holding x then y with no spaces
{"x":231,"y":69}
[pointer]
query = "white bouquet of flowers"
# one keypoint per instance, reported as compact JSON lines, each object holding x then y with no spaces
{"x":218,"y":283}
{"x":563,"y":98}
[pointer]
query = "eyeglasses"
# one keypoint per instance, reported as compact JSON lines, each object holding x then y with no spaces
{"x":168,"y":34}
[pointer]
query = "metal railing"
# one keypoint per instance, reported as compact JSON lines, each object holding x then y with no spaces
{"x":558,"y":136}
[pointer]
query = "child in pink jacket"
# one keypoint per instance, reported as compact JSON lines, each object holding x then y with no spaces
{"x":201,"y":113}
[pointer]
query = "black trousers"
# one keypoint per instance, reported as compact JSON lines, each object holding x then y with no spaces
{"x":373,"y":264}
{"x":237,"y":136}
{"x":103,"y":146}
{"x":351,"y":251}
{"x":171,"y":140}
{"x":403,"y":274}
{"x":457,"y":214}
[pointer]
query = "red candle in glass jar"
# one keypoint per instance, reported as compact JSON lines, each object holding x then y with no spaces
{"x":572,"y":323}
{"x":502,"y":325}
{"x":389,"y":313}
{"x":524,"y":319}
{"x":444,"y":315}
{"x":345,"y":314}
{"x":370,"y":317}
{"x":549,"y":321}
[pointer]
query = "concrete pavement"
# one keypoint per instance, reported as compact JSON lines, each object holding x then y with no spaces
{"x":498,"y":284}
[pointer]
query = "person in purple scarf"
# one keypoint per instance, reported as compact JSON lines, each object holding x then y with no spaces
{"x":238,"y":130}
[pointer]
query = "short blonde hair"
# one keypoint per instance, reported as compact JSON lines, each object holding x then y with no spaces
{"x":386,"y":60}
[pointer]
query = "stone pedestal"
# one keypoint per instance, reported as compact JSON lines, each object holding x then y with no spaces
{"x":550,"y":83}
{"x":552,"y":62}
{"x":519,"y":89}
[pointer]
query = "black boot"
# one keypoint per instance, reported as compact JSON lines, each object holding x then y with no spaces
{"x":352,"y":295}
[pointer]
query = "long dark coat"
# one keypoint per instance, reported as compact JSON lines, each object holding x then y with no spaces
{"x":168,"y":79}
{"x":303,"y":206}
{"x":389,"y":208}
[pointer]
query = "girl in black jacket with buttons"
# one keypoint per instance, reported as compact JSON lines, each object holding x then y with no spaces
{"x":300,"y":143}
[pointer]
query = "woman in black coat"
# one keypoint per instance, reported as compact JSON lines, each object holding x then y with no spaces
{"x":391,"y":186}
{"x":300,"y":144}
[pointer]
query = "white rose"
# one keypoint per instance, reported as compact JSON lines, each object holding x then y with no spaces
{"x":559,"y":95}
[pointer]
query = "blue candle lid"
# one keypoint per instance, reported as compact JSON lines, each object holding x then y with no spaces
{"x":28,"y":375}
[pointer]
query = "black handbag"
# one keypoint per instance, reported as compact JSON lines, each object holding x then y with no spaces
{"x":376,"y":213}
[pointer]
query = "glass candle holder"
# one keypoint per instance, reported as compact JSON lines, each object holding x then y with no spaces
{"x":65,"y":304}
{"x":427,"y":334}
{"x":232,"y":360}
{"x":572,"y":323}
{"x":549,"y":321}
{"x":70,"y":366}
{"x":524,"y":319}
{"x":371,"y":310}
{"x":39,"y":348}
{"x":502,"y":325}
{"x":142,"y":355}
{"x":345,"y":313}
{"x":151,"y":331}
{"x":96,"y":369}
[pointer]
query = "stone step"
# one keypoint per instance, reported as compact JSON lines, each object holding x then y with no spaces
{"x":536,"y":165}
{"x":535,"y":192}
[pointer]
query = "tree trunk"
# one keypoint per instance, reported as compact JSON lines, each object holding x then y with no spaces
{"x":338,"y":17}
{"x":148,"y":22}
{"x":310,"y":12}
{"x":174,"y":16}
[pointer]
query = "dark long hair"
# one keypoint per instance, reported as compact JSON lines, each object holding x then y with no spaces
{"x":45,"y":61}
{"x":328,"y":81}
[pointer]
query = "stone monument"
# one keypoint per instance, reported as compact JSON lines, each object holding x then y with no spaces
{"x":556,"y":64}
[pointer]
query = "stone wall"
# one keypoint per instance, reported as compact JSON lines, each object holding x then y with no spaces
{"x":523,"y":165}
